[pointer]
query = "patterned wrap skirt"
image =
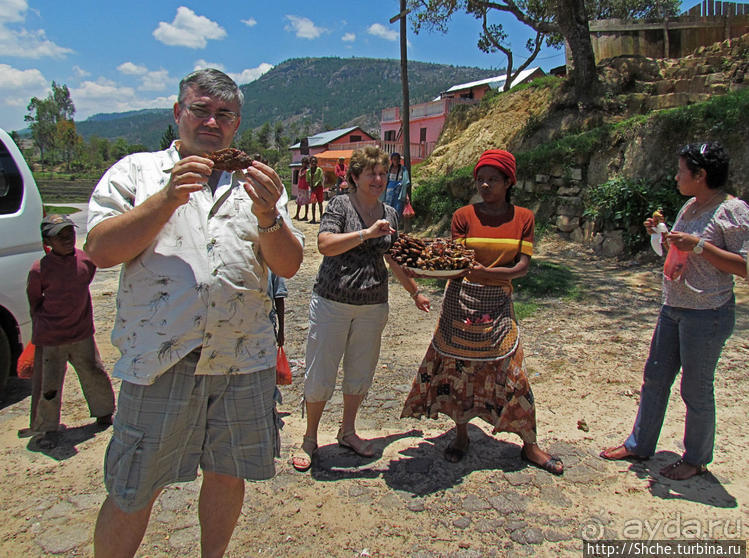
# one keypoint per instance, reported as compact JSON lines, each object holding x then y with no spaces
{"x":302,"y":197}
{"x":496,"y":391}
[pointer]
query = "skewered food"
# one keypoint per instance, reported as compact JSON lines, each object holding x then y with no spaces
{"x":431,"y":254}
{"x":230,"y":159}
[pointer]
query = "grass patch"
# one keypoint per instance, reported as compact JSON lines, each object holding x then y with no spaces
{"x":524,"y":309}
{"x":546,"y":279}
{"x":49,"y":209}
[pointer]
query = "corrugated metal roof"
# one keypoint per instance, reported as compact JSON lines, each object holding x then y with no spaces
{"x":493,"y":82}
{"x":324,"y":138}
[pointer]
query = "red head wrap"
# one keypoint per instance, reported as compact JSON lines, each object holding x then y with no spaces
{"x":500,"y":159}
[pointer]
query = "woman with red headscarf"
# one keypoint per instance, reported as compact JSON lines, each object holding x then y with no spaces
{"x":474,"y":366}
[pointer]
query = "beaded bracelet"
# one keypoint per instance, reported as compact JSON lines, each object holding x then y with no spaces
{"x":361,"y":236}
{"x":416,"y":293}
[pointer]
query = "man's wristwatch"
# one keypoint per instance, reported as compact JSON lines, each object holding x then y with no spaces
{"x":699,"y":246}
{"x":273,"y":228}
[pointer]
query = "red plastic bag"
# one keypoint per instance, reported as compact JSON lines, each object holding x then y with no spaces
{"x":283,"y":370}
{"x":676,"y":261}
{"x":408,"y":211}
{"x":25,"y":366}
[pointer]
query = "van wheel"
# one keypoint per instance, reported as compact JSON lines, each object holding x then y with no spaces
{"x":5,"y":360}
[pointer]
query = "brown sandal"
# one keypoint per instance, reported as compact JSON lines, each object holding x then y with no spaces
{"x":351,"y":441}
{"x":553,"y":465}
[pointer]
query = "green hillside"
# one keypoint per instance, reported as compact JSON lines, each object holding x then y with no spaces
{"x":306,"y":95}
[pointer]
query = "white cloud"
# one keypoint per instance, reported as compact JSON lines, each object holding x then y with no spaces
{"x":348,"y":37}
{"x":249,"y":22}
{"x":107,"y":96}
{"x":15,"y":79}
{"x":245,"y":76}
{"x":188,"y":30}
{"x":202,"y":64}
{"x":379,"y":30}
{"x":16,"y":90}
{"x":130,"y":69}
{"x":304,"y":28}
{"x":13,"y":10}
{"x":250,"y":74}
{"x":80,"y":72}
{"x":23,"y":43}
{"x":156,"y":80}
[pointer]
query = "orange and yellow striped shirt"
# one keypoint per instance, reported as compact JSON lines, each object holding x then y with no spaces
{"x":497,"y":240}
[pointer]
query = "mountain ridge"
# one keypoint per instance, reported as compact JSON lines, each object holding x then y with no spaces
{"x":306,"y":95}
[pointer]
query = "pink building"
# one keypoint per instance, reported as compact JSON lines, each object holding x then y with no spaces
{"x":427,"y":119}
{"x":325,"y":146}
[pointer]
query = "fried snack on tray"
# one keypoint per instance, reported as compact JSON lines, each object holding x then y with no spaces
{"x":431,"y":254}
{"x":230,"y":159}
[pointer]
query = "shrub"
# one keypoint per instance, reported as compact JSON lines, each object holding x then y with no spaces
{"x":623,"y":203}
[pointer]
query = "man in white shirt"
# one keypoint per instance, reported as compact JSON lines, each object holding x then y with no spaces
{"x":197,"y":347}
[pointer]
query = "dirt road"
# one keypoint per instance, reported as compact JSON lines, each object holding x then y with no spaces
{"x":585,"y":359}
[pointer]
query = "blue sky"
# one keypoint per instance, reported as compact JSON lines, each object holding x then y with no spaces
{"x":119,"y":56}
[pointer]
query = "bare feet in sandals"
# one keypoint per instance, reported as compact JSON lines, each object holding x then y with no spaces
{"x":618,"y":453}
{"x":457,"y":450}
{"x":302,"y":459}
{"x":681,"y":470}
{"x":351,"y":440}
{"x":537,"y":457}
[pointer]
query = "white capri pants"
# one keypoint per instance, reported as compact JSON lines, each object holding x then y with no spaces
{"x":351,"y":331}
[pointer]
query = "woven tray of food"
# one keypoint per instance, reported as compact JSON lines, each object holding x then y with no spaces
{"x":432,"y":257}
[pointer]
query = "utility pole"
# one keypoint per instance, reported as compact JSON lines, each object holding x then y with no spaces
{"x":405,"y":111}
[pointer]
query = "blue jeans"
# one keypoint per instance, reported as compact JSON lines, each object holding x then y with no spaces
{"x":392,"y":196}
{"x":691,"y":340}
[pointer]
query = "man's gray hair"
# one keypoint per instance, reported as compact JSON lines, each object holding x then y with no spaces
{"x":212,"y":82}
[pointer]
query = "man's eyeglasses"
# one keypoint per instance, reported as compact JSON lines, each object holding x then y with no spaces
{"x":221,"y":116}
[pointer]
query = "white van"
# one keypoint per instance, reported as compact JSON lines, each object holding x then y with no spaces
{"x":20,"y":246}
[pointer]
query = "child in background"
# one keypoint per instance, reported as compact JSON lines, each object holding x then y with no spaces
{"x":340,"y":174}
{"x":63,"y":331}
{"x":302,"y":196}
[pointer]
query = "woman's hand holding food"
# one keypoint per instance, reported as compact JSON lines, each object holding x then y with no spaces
{"x":681,"y":240}
{"x":379,"y":228}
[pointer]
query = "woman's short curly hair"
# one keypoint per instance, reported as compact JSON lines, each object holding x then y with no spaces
{"x":366,"y":158}
{"x":710,"y":156}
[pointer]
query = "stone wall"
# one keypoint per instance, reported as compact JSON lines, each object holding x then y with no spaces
{"x":643,"y":85}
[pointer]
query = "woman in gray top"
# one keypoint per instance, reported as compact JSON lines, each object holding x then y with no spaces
{"x":711,"y":233}
{"x":349,"y":305}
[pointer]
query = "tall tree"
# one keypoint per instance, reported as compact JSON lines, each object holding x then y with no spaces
{"x":537,"y":14}
{"x":45,"y":116}
{"x":168,"y":137}
{"x":67,"y":140}
{"x":263,"y":135}
{"x":278,"y":138}
{"x":553,"y":22}
{"x":42,"y":123}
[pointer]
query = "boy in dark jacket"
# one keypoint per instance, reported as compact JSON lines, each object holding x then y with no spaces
{"x":63,"y":331}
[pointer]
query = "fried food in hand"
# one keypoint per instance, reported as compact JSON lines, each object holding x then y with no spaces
{"x":230,"y":159}
{"x":658,"y":216}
